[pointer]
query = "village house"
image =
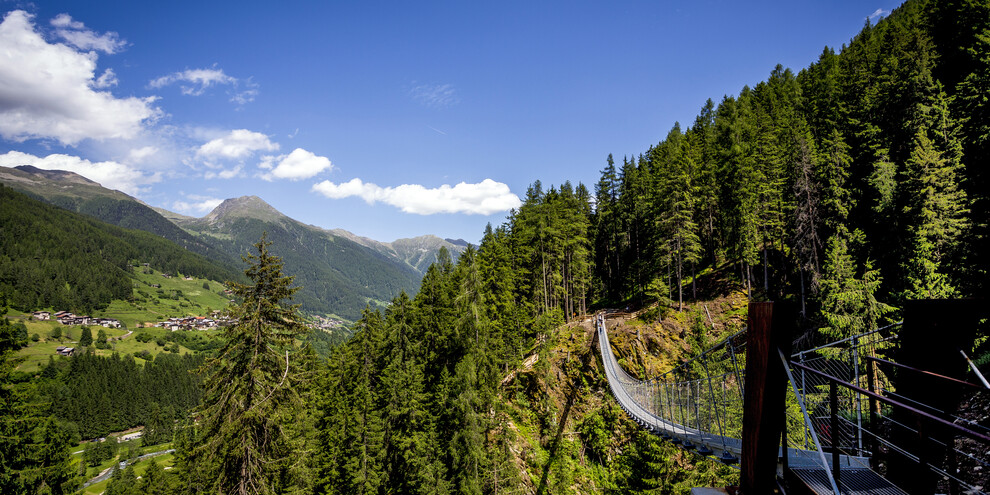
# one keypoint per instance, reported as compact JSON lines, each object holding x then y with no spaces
{"x":67,"y":318}
{"x":71,"y":319}
{"x":107,"y":322}
{"x":65,"y":351}
{"x":41,"y":315}
{"x":190,"y":323}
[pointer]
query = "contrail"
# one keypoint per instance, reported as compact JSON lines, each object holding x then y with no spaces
{"x":438,"y":130}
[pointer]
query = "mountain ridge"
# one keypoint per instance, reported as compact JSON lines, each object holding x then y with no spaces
{"x":340,"y":273}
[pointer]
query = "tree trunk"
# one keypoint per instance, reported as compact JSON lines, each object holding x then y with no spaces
{"x":803,"y":313}
{"x":680,"y":285}
{"x":694,"y":285}
{"x":766,"y":277}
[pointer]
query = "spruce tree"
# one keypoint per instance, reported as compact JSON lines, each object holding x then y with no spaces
{"x":86,"y":338}
{"x":849,"y":304}
{"x":249,"y":397}
{"x":34,"y":454}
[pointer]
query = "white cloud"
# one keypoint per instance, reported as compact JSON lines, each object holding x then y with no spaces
{"x":878,"y":13}
{"x":141,"y":154}
{"x":484,"y":198}
{"x":300,"y":164}
{"x":107,"y":79}
{"x":200,"y":205}
{"x":435,"y":95}
{"x":195,"y":82}
{"x":47,"y":90}
{"x":110,"y":174}
{"x":225,"y":173}
{"x":239,"y":143}
{"x":247,"y":95}
{"x":76,"y":34}
{"x":198,"y":80}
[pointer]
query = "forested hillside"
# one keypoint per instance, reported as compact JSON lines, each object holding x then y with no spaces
{"x":850,"y":186}
{"x":336,"y":275}
{"x":76,"y":193}
{"x":341,"y":273}
{"x":50,"y":257}
{"x":859,"y":179}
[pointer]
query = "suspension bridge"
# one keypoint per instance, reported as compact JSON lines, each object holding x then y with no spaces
{"x":872,"y":413}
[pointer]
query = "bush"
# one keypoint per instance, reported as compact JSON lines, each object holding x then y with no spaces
{"x":35,"y":337}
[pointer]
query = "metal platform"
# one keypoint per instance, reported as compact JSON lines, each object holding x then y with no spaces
{"x":851,"y":481}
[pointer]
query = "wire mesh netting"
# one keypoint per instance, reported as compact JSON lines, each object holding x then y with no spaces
{"x":831,"y":423}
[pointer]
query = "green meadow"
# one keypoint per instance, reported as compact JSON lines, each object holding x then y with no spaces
{"x":174,"y":297}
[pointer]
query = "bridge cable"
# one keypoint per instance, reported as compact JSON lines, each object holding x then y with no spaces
{"x":718,"y":419}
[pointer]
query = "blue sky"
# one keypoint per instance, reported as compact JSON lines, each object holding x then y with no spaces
{"x":387,"y":119}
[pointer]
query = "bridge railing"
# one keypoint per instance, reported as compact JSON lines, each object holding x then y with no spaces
{"x":843,"y":411}
{"x":697,"y":405}
{"x":855,"y":411}
{"x":846,"y":360}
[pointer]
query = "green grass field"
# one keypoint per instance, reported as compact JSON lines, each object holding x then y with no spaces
{"x":176,"y":297}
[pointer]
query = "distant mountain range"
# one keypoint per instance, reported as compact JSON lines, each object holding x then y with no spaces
{"x":339,"y":271}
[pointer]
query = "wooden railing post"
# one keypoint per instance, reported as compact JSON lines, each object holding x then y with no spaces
{"x":769,"y":328}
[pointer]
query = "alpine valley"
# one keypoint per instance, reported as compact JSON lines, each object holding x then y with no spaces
{"x":340,"y":273}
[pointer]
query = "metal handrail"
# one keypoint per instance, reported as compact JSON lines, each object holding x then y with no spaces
{"x":809,"y":425}
{"x":916,"y":370}
{"x":858,"y":336}
{"x":965,"y":431}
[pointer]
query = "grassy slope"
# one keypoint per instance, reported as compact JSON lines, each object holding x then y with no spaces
{"x":149,"y":306}
{"x":561,"y":387}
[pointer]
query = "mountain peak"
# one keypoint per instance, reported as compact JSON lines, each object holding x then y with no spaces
{"x":244,"y":207}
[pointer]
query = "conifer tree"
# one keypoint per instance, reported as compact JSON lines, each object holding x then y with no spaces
{"x":249,"y":398}
{"x":806,"y":239}
{"x":402,"y":380}
{"x":849,"y":302}
{"x":933,"y":204}
{"x":123,"y":482}
{"x":86,"y":338}
{"x":34,"y":454}
{"x":706,"y":191}
{"x":364,"y":445}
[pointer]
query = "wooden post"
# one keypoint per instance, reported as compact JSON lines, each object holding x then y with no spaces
{"x":769,"y":329}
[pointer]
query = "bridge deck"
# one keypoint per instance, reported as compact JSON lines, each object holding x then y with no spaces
{"x":796,"y":458}
{"x":851,"y":481}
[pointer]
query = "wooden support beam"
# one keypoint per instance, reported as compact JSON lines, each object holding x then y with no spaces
{"x":770,"y":328}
